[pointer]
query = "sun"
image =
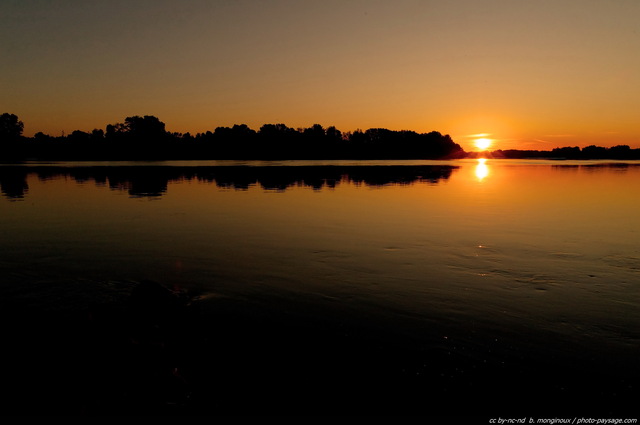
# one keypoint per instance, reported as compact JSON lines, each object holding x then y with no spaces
{"x":483,"y":143}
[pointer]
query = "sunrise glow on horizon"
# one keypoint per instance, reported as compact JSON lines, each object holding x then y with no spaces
{"x":533,"y":75}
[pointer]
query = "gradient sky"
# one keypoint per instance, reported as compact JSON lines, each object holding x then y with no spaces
{"x":531,"y":74}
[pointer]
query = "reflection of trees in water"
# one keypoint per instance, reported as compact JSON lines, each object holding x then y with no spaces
{"x":13,"y":183}
{"x":319,"y":177}
{"x":152,"y":181}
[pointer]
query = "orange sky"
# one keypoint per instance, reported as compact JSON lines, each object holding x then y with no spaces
{"x":528,"y":74}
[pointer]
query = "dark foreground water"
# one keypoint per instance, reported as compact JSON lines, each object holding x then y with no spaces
{"x":498,"y":289}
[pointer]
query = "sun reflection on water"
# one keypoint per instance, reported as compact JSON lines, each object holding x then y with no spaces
{"x":482,"y":169}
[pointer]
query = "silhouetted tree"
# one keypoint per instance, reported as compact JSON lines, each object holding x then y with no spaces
{"x":145,"y":128}
{"x":10,"y":127}
{"x":97,"y":135}
{"x":333,"y":134}
{"x":594,"y":152}
{"x":78,"y":137}
{"x":620,"y":152}
{"x":234,"y":142}
{"x":139,"y":138}
{"x":277,"y":141}
{"x":10,"y":135}
{"x":316,"y":131}
{"x":115,"y":132}
{"x":315,"y":143}
{"x":572,"y":152}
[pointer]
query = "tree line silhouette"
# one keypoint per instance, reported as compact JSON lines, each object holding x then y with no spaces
{"x":145,"y":138}
{"x":622,"y":152}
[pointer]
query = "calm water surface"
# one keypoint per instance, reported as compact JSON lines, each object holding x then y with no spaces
{"x":485,"y":257}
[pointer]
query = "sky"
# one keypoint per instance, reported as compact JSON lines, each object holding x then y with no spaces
{"x":526,"y":74}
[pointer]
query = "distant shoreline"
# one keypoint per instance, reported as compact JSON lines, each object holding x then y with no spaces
{"x":493,"y":155}
{"x":145,"y":138}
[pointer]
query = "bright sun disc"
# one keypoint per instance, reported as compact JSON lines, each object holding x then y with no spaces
{"x":483,"y":143}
